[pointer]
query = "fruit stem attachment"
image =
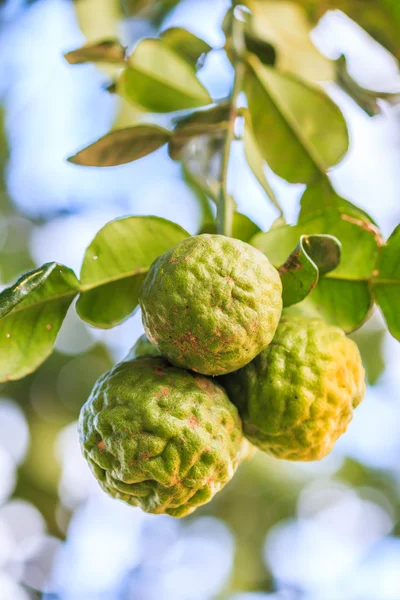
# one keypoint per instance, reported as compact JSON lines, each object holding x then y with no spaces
{"x":225,"y":205}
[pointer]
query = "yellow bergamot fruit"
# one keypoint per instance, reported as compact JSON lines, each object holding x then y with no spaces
{"x":159,"y":437}
{"x":297,"y":396}
{"x":211,"y":303}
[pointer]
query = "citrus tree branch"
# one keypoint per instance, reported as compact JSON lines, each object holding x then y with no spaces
{"x":225,"y":204}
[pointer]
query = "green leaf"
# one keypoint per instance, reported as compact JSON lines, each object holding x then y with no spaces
{"x":359,"y":243}
{"x":108,"y":51}
{"x":386,"y":282}
{"x":279,"y":222}
{"x":256,"y":163}
{"x":185,"y":43}
{"x":314,"y":255}
{"x":25,"y":285}
{"x":380,"y":18}
{"x":321,"y":196}
{"x":254,"y":43}
{"x":32,"y":311}
{"x":243,"y":228}
{"x":370,"y":343}
{"x":366,"y":99}
{"x":152,"y":10}
{"x":116,"y":263}
{"x":344,"y":303}
{"x":122,"y":146}
{"x":341,"y":297}
{"x":205,"y":120}
{"x":301,"y":133}
{"x":285,"y":26}
{"x":160,"y":80}
{"x":212,"y":121}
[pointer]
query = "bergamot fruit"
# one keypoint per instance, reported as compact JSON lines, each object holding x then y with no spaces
{"x":211,"y":303}
{"x":159,"y":437}
{"x":297,"y":396}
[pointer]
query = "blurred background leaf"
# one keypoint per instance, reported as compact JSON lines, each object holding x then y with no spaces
{"x":380,"y":18}
{"x":368,"y":100}
{"x":386,"y":282}
{"x":109,"y":51}
{"x":370,"y":343}
{"x":159,"y":80}
{"x":185,"y":43}
{"x":122,"y":146}
{"x":212,"y":121}
{"x":285,"y":26}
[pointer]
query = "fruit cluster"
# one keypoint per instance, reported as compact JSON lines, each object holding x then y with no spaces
{"x":220,"y":373}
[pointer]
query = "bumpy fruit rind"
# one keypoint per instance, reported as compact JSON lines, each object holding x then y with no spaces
{"x":211,"y":303}
{"x":297,"y":397}
{"x":160,"y":437}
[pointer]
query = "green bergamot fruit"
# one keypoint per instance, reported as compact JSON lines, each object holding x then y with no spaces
{"x":297,"y":396}
{"x":211,"y":303}
{"x":159,"y":437}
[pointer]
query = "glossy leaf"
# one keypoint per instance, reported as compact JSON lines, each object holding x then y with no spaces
{"x":386,"y":282}
{"x":344,"y":303}
{"x":32,"y":312}
{"x":256,"y":163}
{"x":342,"y":297}
{"x":321,"y":196}
{"x":116,"y":263}
{"x":314,"y":255}
{"x":108,"y":51}
{"x":122,"y":146}
{"x":359,"y":243}
{"x":212,"y":121}
{"x":185,"y":43}
{"x":301,"y":133}
{"x":159,"y":80}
